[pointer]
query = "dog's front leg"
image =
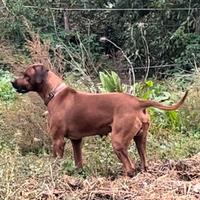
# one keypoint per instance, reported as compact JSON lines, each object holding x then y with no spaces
{"x":77,"y":145}
{"x":58,"y":146}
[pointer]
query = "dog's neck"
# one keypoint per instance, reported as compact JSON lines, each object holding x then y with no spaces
{"x":51,"y":82}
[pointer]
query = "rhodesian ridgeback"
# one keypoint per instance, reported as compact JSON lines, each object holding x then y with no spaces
{"x":74,"y":115}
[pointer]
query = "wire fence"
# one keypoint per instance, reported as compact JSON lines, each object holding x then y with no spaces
{"x":65,"y":8}
{"x":113,"y":9}
{"x":161,"y":66}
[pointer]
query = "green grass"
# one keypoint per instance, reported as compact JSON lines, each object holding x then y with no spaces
{"x":7,"y":93}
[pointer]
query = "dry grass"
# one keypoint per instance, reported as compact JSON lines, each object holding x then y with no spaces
{"x":39,"y":51}
{"x":43,"y":178}
{"x":20,"y":125}
{"x":10,"y":59}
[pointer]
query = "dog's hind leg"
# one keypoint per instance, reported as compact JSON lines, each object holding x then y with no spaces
{"x":123,"y":131}
{"x":140,"y":141}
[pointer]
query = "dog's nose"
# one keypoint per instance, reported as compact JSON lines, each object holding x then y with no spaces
{"x":14,"y":84}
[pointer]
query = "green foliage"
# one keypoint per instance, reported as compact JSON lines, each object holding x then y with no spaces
{"x":75,"y":52}
{"x":99,"y":153}
{"x":19,"y":21}
{"x":69,"y":166}
{"x":170,"y":36}
{"x":81,"y":55}
{"x":157,"y":92}
{"x":7,"y":92}
{"x":191,"y":53}
{"x":110,"y":82}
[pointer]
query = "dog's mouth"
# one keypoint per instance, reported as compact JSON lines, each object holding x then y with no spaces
{"x":19,"y":89}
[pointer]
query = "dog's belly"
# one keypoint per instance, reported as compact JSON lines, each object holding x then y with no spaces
{"x":77,"y":134}
{"x":88,"y":122}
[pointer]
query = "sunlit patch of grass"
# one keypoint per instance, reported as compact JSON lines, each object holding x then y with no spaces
{"x":7,"y":93}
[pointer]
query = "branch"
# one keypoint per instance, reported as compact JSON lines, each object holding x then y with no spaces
{"x":128,"y":60}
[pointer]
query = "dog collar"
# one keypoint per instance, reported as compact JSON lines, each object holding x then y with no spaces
{"x":54,"y":92}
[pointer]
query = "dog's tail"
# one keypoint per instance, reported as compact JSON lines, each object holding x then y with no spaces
{"x":150,"y":103}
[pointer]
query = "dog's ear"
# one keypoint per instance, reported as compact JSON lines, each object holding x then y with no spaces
{"x":41,"y":72}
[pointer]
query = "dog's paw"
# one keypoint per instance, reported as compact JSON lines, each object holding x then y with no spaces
{"x":130,"y":173}
{"x":144,"y":169}
{"x":44,"y":114}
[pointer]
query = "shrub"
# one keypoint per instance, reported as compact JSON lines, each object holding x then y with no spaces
{"x":110,"y":82}
{"x":7,"y":93}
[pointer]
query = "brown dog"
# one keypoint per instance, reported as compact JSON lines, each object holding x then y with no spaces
{"x":74,"y":115}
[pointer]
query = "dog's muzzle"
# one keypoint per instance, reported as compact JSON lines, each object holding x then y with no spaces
{"x":18,"y":88}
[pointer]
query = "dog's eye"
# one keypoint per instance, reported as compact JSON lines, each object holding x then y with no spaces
{"x":27,"y":77}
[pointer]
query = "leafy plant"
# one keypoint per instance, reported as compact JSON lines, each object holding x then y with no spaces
{"x":191,"y":52}
{"x":69,"y":166}
{"x":110,"y":82}
{"x":100,"y":154}
{"x":149,"y":90}
{"x":7,"y":92}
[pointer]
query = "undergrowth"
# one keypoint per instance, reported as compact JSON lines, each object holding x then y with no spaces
{"x":7,"y":93}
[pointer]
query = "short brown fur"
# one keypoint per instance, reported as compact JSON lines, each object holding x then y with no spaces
{"x":75,"y":115}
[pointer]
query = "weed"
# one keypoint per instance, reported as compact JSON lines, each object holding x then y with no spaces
{"x":110,"y":82}
{"x":69,"y":166}
{"x":7,"y":92}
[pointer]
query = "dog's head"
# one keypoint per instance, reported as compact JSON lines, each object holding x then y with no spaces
{"x":31,"y":79}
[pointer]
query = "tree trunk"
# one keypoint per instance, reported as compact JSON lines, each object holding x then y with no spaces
{"x":197,"y":25}
{"x":66,"y":21}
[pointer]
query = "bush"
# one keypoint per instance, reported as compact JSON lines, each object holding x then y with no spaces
{"x":110,"y":82}
{"x":7,"y":92}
